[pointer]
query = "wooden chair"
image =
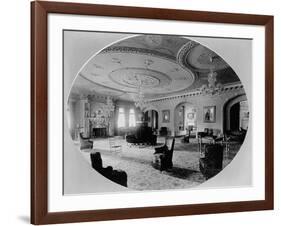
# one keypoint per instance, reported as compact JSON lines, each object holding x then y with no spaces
{"x":114,"y":146}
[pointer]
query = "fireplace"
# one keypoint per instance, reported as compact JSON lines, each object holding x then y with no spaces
{"x":99,"y":132}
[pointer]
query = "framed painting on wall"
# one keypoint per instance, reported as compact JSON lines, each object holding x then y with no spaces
{"x":209,"y":114}
{"x":166,"y":116}
{"x":147,"y":57}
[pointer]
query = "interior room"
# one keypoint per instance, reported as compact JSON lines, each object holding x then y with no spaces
{"x":153,"y":112}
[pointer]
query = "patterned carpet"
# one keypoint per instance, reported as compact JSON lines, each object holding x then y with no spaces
{"x":136,"y":162}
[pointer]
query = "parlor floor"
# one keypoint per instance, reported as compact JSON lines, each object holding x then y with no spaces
{"x":136,"y":162}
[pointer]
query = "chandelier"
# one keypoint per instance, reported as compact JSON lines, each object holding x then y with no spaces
{"x":139,"y":100}
{"x":213,"y":88}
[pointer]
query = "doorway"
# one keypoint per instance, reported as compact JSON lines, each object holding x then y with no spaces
{"x":236,"y":114}
{"x":185,"y":118}
{"x":151,"y":118}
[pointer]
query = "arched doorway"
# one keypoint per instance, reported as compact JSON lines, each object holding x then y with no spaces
{"x":185,"y":118}
{"x":151,"y":117}
{"x":236,"y":114}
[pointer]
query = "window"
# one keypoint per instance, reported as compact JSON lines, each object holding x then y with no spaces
{"x":132,"y":118}
{"x":121,"y":118}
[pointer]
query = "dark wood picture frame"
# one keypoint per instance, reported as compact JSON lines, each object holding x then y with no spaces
{"x":39,"y":112}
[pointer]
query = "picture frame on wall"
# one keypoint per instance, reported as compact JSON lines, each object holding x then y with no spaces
{"x":190,"y":116}
{"x":166,"y":116}
{"x":51,"y":140}
{"x":209,"y":114}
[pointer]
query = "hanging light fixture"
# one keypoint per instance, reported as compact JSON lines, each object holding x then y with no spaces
{"x":139,"y":99}
{"x":213,"y":88}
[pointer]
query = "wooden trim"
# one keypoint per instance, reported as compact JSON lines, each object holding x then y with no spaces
{"x":39,"y":109}
{"x":269,"y":113}
{"x":39,"y":115}
{"x":153,"y":13}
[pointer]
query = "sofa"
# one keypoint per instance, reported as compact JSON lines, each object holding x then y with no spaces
{"x":117,"y":176}
{"x":237,"y":136}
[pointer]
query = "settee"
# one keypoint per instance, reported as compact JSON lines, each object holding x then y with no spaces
{"x":117,"y":176}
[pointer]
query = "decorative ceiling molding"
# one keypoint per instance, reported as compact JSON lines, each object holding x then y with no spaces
{"x":205,"y":61}
{"x":160,"y":64}
{"x":135,"y":50}
{"x":228,"y":88}
{"x":106,"y":87}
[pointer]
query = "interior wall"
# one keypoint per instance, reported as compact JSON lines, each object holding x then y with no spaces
{"x":199,"y":102}
{"x":75,"y":116}
{"x":70,"y":118}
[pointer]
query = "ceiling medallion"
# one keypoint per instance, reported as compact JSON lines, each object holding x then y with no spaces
{"x":132,"y":77}
{"x":212,"y":88}
{"x":141,"y":79}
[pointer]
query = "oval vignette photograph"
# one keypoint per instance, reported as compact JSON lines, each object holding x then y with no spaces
{"x":149,"y":112}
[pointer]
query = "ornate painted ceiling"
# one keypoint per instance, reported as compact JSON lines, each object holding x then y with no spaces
{"x":158,"y":65}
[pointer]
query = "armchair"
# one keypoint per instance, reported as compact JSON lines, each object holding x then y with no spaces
{"x":211,"y":164}
{"x":85,"y":142}
{"x":163,"y":157}
{"x":163,"y":131}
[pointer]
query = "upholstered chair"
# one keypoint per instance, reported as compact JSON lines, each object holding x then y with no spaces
{"x":163,"y":157}
{"x":211,"y":164}
{"x":163,"y":131}
{"x":85,"y":143}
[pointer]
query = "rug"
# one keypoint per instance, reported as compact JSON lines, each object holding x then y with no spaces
{"x":136,"y":162}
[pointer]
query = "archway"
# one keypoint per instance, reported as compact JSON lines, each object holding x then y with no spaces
{"x":236,"y":114}
{"x":151,"y":117}
{"x":185,"y":118}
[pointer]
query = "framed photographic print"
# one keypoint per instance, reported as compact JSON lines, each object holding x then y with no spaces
{"x":209,"y":114}
{"x":166,"y":116}
{"x":95,"y":69}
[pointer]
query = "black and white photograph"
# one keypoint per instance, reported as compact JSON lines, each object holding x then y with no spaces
{"x":151,"y":112}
